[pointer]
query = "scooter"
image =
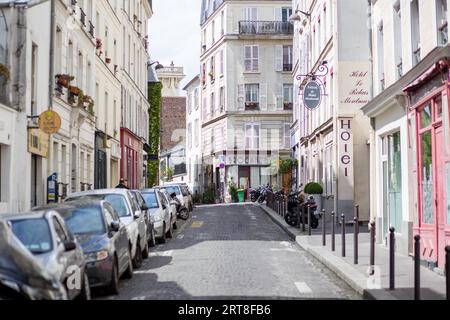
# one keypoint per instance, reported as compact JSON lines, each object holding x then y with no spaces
{"x":292,"y":216}
{"x":255,"y":194}
{"x":315,"y":215}
{"x":298,"y":211}
{"x":263,"y":195}
{"x":182,"y":211}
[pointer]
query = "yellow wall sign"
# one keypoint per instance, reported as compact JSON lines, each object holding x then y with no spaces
{"x":38,"y":142}
{"x":49,"y":122}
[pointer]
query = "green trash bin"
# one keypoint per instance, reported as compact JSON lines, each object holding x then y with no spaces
{"x":241,"y":195}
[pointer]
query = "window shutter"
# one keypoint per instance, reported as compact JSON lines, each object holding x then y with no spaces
{"x":263,"y":96}
{"x":248,"y":135}
{"x":279,"y":58}
{"x":277,"y":14}
{"x":241,"y":97}
{"x":256,"y":58}
{"x":279,"y":96}
{"x":254,"y":15}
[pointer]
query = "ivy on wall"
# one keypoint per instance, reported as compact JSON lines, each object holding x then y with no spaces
{"x":154,"y":97}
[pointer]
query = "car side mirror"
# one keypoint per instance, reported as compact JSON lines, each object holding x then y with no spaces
{"x":144,"y":207}
{"x":164,"y":206}
{"x":69,"y":245}
{"x":137,"y":214}
{"x":115,"y":226}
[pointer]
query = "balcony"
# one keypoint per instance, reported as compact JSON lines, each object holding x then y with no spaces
{"x":251,"y":106}
{"x":82,"y":17}
{"x":266,"y":28}
{"x":91,"y":29}
{"x":287,"y":66}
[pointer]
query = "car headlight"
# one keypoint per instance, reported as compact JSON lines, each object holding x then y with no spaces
{"x":96,"y":256}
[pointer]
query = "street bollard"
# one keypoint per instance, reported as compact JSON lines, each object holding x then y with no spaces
{"x":417,"y":267}
{"x":303,"y":219}
{"x":355,"y":241}
{"x":392,"y":258}
{"x":447,"y":270}
{"x":333,"y":232}
{"x":372,"y":248}
{"x":309,"y":221}
{"x":343,"y":233}
{"x":324,"y":230}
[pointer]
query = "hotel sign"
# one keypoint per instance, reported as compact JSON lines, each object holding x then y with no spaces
{"x":312,"y":95}
{"x":38,"y":142}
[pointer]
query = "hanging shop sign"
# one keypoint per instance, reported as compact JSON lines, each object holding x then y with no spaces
{"x":312,"y":95}
{"x":38,"y":142}
{"x":312,"y":87}
{"x":49,"y":122}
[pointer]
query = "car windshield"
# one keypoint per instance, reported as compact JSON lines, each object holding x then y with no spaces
{"x":87,"y":220}
{"x":34,"y":234}
{"x":117,"y":201}
{"x":173,"y":189}
{"x":150,"y":199}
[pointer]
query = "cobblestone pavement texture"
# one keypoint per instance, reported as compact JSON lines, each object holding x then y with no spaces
{"x":231,"y":252}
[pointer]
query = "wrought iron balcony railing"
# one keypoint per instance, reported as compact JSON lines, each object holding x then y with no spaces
{"x":82,"y":17}
{"x":91,"y":29}
{"x":266,"y":28}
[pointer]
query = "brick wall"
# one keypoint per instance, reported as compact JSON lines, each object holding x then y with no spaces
{"x":173,"y":121}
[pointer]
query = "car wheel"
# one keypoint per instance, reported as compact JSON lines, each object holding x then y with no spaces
{"x":113,"y":287}
{"x":163,"y":237}
{"x":85,"y":293}
{"x":129,"y":272}
{"x":184,"y":214}
{"x":137,"y":261}
{"x":152,"y":240}
{"x":170,"y":231}
{"x":145,"y":253}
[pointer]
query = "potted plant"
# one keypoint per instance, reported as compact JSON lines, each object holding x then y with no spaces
{"x":313,"y":188}
{"x":251,"y":105}
{"x":64,"y":80}
{"x":98,"y":43}
{"x":108,"y":60}
{"x":4,"y":72}
{"x":74,"y":90}
{"x":286,"y":105}
{"x":233,"y":191}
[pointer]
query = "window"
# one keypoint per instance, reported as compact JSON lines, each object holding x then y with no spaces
{"x":398,"y":39}
{"x":212,"y":69}
{"x":34,"y":72}
{"x":189,"y":103}
{"x":415,"y":32}
{"x":288,"y":90}
{"x":287,"y":136}
{"x":196,"y":132}
{"x":222,"y":99}
{"x":380,"y":40}
{"x":222,"y":21}
{"x":287,"y":58}
{"x":251,"y":58}
{"x":204,"y":74}
{"x":221,"y":62}
{"x":196,"y":98}
{"x":213,"y":104}
{"x":252,"y":136}
{"x":442,"y":25}
{"x":59,"y":230}
{"x":189,"y":135}
{"x":250,"y":14}
{"x":252,"y":95}
{"x":213,"y":31}
{"x":285,"y":14}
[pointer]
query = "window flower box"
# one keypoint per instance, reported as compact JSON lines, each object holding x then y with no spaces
{"x":64,"y":80}
{"x":250,"y":105}
{"x":287,"y":105}
{"x":108,"y":60}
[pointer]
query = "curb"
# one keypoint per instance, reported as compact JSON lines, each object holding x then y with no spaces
{"x":354,"y":278}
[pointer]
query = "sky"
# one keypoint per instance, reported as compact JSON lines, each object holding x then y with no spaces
{"x":174,"y":35}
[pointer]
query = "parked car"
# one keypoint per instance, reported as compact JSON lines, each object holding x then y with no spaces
{"x":148,"y":221}
{"x":129,"y":212}
{"x":22,"y":277}
{"x":160,"y":213}
{"x":182,"y":192}
{"x":104,"y":239}
{"x":171,"y":205}
{"x":45,"y":234}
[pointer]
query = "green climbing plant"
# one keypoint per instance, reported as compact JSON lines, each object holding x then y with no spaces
{"x":286,"y":165}
{"x":154,"y":97}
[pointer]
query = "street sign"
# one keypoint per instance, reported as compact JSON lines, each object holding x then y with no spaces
{"x":312,"y":95}
{"x":153,"y":157}
{"x":52,"y":193}
{"x":49,"y":122}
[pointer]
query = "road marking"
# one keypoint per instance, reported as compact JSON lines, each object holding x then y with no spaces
{"x":286,"y":250}
{"x":197,"y":224}
{"x":194,"y":217}
{"x":303,"y":288}
{"x":180,"y":236}
{"x":167,"y":253}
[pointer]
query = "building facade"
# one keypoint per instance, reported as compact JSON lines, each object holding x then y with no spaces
{"x":193,"y":135}
{"x":331,"y":140}
{"x":410,"y":164}
{"x":246,"y":91}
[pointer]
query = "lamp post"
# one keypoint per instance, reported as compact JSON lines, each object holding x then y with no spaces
{"x":158,"y":65}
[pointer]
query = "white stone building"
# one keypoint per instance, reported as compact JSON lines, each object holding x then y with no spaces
{"x":410,"y":142}
{"x":331,"y":41}
{"x":246,"y":90}
{"x":193,"y":135}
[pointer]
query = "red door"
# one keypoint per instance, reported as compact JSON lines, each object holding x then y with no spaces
{"x":440,"y":195}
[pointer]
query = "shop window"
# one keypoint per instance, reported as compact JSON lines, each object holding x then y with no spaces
{"x":427,"y":177}
{"x":425,"y":117}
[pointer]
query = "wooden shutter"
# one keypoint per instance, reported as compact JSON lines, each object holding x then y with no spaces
{"x":255,"y":58}
{"x":279,"y":58}
{"x":241,"y":97}
{"x":263,"y":96}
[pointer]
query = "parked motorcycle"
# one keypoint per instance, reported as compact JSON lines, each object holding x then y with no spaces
{"x":263,"y":194}
{"x":182,"y":211}
{"x":298,"y":211}
{"x":255,"y":194}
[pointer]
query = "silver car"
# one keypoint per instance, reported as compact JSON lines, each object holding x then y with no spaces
{"x":182,"y":192}
{"x":129,"y":212}
{"x":160,"y":213}
{"x":45,"y":234}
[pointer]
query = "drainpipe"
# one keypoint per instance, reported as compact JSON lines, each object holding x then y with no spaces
{"x":51,"y":54}
{"x":369,"y":21}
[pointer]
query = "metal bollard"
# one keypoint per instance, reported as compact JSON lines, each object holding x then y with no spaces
{"x":392,"y":258}
{"x":324,"y":230}
{"x":372,"y":248}
{"x":447,"y":270}
{"x":309,"y":221}
{"x":355,"y":240}
{"x":343,"y":233}
{"x":333,"y":232}
{"x":417,"y":267}
{"x":303,"y":219}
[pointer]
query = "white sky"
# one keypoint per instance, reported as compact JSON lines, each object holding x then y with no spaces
{"x":174,"y":35}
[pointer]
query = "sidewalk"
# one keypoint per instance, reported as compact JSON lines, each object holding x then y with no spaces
{"x":371,"y":287}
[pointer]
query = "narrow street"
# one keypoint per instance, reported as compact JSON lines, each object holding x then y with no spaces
{"x":231,"y":252}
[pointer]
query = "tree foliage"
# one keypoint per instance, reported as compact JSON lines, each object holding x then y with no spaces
{"x":154,"y":97}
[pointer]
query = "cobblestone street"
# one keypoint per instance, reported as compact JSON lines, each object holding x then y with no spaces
{"x":231,"y":252}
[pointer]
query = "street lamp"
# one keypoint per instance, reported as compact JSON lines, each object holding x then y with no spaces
{"x":296,"y":16}
{"x":158,"y":66}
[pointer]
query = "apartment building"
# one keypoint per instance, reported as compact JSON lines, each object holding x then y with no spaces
{"x":24,"y":93}
{"x":410,"y":143}
{"x":246,"y":91}
{"x":193,"y":135}
{"x":133,"y":17}
{"x":331,"y":48}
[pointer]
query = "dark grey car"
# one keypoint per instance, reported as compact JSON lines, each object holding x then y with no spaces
{"x":45,"y":234}
{"x":104,"y":239}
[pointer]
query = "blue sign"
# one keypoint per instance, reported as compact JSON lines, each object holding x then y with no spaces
{"x":52,"y":192}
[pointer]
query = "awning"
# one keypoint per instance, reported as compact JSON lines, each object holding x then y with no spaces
{"x":147,"y":148}
{"x":440,"y":66}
